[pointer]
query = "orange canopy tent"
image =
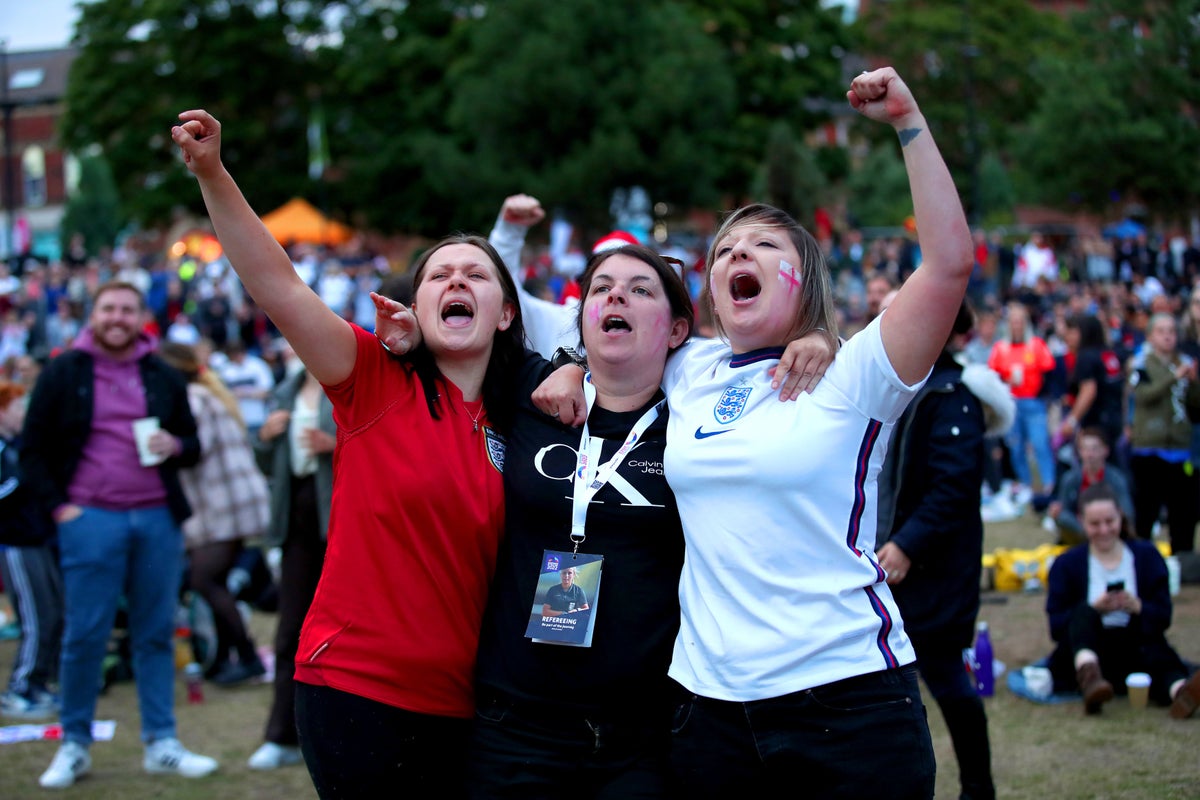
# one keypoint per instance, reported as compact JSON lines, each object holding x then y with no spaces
{"x":297,"y":221}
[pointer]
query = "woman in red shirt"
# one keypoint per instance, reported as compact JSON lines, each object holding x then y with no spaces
{"x":1022,"y":360}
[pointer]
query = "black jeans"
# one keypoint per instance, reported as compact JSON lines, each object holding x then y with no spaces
{"x":300,"y":570}
{"x":533,"y":751}
{"x":1120,"y":650}
{"x":357,"y":748}
{"x":865,"y":736}
{"x":941,"y":666}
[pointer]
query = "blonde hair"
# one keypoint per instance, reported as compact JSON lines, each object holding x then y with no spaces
{"x":816,"y":311}
{"x":183,"y":358}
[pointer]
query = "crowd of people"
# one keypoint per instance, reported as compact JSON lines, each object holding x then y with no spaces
{"x":476,"y":447}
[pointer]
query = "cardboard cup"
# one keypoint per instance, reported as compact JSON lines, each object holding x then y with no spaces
{"x":143,"y":429}
{"x":1138,"y":684}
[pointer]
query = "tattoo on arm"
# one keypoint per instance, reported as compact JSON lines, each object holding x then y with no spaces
{"x":907,"y":135}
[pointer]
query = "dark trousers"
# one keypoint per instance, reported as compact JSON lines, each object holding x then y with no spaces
{"x":1120,"y":650}
{"x":1158,"y":484}
{"x":865,"y":736}
{"x":941,"y":667}
{"x":300,"y":569}
{"x":34,"y":583}
{"x":209,"y":565}
{"x":356,"y":748}
{"x":529,"y":751}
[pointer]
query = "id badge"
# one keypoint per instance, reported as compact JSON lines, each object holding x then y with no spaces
{"x":566,"y":599}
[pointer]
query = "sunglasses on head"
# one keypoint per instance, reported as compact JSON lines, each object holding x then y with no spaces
{"x":677,"y":263}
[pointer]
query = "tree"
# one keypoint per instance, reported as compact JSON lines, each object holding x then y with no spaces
{"x":141,"y":63}
{"x":387,"y":109}
{"x":1120,"y":123}
{"x":972,"y":66}
{"x":785,"y":57}
{"x":572,"y":100}
{"x":789,"y":177}
{"x":94,"y":209}
{"x":879,"y":195}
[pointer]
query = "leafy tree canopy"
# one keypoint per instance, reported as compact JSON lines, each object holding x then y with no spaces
{"x":785,"y":57}
{"x":1119,"y":123}
{"x":570,"y":101}
{"x":94,"y":210}
{"x":971,"y":65}
{"x":142,"y":62}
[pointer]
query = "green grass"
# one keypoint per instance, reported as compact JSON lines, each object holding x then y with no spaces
{"x":1038,"y":751}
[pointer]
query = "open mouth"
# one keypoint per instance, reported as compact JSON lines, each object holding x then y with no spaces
{"x":744,"y":286}
{"x":457,"y":314}
{"x":614,"y":323}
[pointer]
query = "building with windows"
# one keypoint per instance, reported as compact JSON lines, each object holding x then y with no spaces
{"x":36,"y":174}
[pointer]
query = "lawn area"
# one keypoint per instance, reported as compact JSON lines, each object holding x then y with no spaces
{"x":1038,"y":751}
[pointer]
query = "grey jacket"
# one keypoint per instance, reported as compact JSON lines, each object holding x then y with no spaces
{"x":275,"y":459}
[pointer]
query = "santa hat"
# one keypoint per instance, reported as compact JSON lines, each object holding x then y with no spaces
{"x":613,"y":240}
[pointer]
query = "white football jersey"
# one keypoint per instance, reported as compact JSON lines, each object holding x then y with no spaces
{"x":780,"y":589}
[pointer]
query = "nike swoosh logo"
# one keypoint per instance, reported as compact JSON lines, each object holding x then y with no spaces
{"x":700,"y":434}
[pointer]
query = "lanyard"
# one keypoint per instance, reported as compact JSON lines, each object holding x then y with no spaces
{"x":590,"y":475}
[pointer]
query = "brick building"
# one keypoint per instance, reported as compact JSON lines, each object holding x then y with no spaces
{"x":36,"y":175}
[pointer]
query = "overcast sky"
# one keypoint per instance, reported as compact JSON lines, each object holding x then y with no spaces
{"x":36,"y":24}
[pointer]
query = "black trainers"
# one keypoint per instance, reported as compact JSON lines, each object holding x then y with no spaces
{"x":234,"y":673}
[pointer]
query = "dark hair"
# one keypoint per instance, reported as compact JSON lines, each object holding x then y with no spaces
{"x":1099,"y":493}
{"x":1091,"y":330}
{"x":1095,"y":431}
{"x":508,"y":346}
{"x":816,"y":290}
{"x":398,"y":286}
{"x":113,"y":286}
{"x":677,"y":293}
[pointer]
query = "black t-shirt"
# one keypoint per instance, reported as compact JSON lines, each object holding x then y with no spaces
{"x":560,"y":599}
{"x":632,"y":521}
{"x":1103,"y":367}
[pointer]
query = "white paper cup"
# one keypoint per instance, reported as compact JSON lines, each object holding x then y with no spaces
{"x":1039,"y":681}
{"x":143,"y":429}
{"x":1138,"y":685}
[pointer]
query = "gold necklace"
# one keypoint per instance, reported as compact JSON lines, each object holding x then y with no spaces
{"x":475,"y":418}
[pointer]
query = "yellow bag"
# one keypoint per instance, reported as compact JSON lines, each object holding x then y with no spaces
{"x":1017,"y":570}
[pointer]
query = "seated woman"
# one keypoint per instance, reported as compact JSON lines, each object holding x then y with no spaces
{"x":1109,"y":609}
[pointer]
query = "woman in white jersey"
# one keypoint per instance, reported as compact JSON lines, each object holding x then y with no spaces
{"x":791,"y":648}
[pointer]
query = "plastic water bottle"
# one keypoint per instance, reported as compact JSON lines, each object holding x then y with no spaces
{"x":193,"y":673}
{"x":984,"y":662}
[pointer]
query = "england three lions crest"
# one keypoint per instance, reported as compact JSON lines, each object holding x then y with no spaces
{"x":731,"y":404}
{"x":496,"y":448}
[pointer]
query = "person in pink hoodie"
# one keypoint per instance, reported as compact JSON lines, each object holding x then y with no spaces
{"x":118,"y":506}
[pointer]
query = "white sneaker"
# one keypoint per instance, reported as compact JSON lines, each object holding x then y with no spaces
{"x":30,"y":705}
{"x":274,"y":756}
{"x":70,"y":762}
{"x":168,"y":756}
{"x":999,"y":509}
{"x":1022,"y":495}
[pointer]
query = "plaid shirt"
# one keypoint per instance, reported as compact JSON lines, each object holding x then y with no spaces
{"x":227,"y":491}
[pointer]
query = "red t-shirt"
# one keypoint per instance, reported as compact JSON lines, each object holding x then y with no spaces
{"x":414,"y":527}
{"x":1031,"y":357}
